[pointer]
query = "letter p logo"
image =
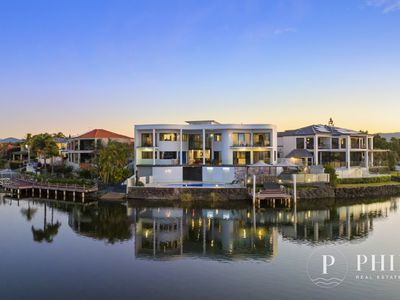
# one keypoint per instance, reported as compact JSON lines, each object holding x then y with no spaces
{"x":333,"y":264}
{"x":327,"y":261}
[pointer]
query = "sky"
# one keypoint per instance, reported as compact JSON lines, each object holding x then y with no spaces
{"x":76,"y":65}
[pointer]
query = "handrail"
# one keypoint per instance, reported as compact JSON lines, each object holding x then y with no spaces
{"x":58,"y":185}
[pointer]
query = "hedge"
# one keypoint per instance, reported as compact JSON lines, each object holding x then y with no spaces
{"x":377,"y":179}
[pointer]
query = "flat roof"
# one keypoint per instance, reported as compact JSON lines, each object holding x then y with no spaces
{"x":206,"y":126}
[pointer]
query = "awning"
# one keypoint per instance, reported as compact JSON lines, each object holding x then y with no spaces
{"x":299,"y":153}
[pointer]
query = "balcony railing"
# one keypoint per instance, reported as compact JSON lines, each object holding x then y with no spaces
{"x":251,"y":145}
{"x":147,"y":144}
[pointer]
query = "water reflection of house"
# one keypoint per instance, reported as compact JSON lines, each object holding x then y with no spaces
{"x":239,"y":234}
{"x":342,"y":223}
{"x":228,"y":234}
{"x":158,"y":232}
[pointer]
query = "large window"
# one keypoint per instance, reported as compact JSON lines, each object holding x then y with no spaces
{"x":168,"y":155}
{"x":217,"y":137}
{"x":335,"y":143}
{"x":262,"y":155}
{"x":87,"y":145}
{"x":241,"y":157}
{"x":343,"y":143}
{"x":310,"y":143}
{"x":299,"y":143}
{"x":241,"y":139}
{"x":169,"y":137}
{"x":217,"y":158}
{"x":147,"y":154}
{"x":357,"y":143}
{"x":262,"y":139}
{"x":147,"y":140}
{"x":323,"y":142}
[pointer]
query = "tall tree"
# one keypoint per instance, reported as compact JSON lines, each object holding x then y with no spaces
{"x":45,"y":147}
{"x":112,"y":161}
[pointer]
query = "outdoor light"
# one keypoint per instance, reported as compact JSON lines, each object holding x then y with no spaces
{"x":210,"y":168}
{"x":225,"y":169}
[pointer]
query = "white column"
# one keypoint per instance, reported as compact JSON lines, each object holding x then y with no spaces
{"x":154,"y":146}
{"x":272,"y":156}
{"x":180,"y":147}
{"x":371,"y":143}
{"x":366,"y":152}
{"x":348,"y":147}
{"x":204,"y":146}
{"x":251,"y":150}
{"x":316,"y":158}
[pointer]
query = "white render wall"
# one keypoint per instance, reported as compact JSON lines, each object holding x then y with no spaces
{"x":167,"y":174}
{"x":218,"y":174}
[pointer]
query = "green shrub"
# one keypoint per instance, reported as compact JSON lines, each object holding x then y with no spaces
{"x":3,"y":163}
{"x":86,"y":173}
{"x":139,"y":183}
{"x":15,"y":165}
{"x":332,"y":174}
{"x":63,"y":170}
{"x":378,"y":179}
{"x":379,"y":170}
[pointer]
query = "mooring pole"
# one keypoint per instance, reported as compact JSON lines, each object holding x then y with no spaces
{"x":254,"y":189}
{"x":295,"y":203}
{"x":294,"y":188}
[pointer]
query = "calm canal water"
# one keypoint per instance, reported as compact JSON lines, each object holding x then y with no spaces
{"x":114,"y":251}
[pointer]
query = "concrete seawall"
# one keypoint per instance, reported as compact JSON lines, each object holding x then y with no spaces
{"x":188,"y":194}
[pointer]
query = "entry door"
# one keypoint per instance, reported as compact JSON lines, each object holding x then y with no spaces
{"x":193,"y":173}
{"x":184,"y":157}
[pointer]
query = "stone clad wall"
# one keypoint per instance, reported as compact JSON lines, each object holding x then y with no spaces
{"x":349,"y":193}
{"x":188,"y":194}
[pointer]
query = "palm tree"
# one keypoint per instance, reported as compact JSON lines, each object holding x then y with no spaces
{"x":112,"y":160}
{"x":29,"y":212}
{"x":49,"y":231}
{"x":44,"y":146}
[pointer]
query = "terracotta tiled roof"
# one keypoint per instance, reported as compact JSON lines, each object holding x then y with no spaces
{"x":102,"y":134}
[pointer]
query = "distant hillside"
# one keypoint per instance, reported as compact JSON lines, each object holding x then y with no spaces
{"x":389,"y":136}
{"x":10,"y":140}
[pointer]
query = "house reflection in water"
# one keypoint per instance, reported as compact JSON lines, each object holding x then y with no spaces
{"x":339,"y":223}
{"x":224,"y":234}
{"x":163,"y":233}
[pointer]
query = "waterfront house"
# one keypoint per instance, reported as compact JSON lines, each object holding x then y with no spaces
{"x":318,"y":145}
{"x":81,"y":150}
{"x":204,"y":151}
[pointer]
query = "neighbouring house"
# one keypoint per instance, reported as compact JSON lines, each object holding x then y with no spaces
{"x":61,"y":158}
{"x":81,"y":150}
{"x":12,"y":150}
{"x":204,"y":151}
{"x":318,"y":145}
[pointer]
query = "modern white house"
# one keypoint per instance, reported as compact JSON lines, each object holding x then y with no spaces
{"x":205,"y":151}
{"x":325,"y":144}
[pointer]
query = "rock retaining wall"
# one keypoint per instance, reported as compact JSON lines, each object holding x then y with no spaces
{"x":188,"y":194}
{"x":349,"y":192}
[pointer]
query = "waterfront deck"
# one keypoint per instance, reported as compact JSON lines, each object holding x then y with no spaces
{"x":23,"y":187}
{"x":272,"y":196}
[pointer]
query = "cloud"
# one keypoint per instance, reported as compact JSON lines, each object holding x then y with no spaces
{"x":387,"y":6}
{"x":279,"y":31}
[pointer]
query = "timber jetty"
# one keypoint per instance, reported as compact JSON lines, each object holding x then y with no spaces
{"x":18,"y":188}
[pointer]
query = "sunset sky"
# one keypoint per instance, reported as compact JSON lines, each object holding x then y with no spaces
{"x":75,"y":65}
